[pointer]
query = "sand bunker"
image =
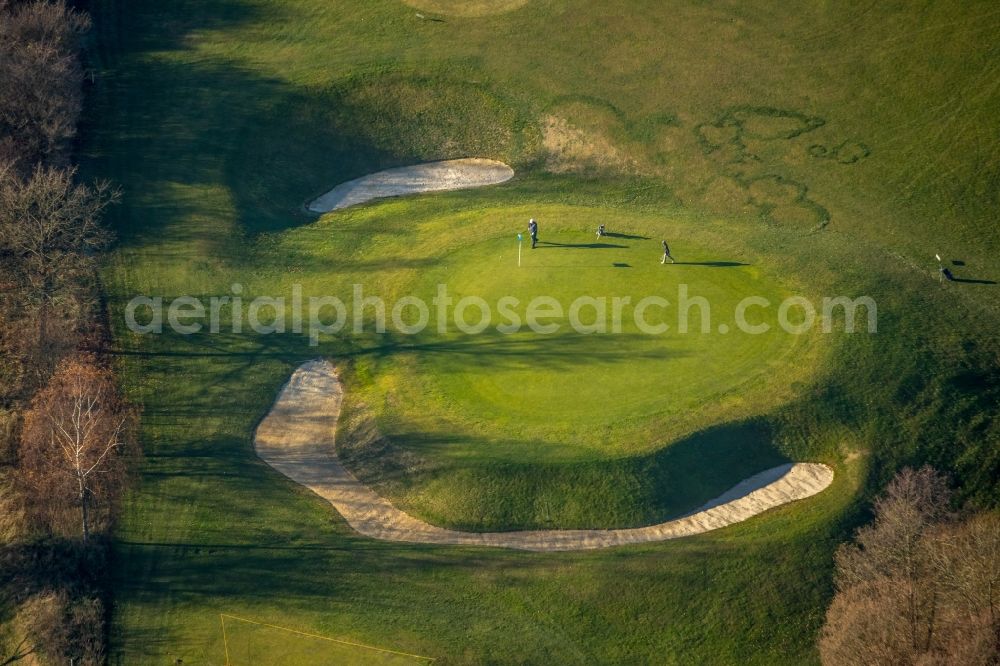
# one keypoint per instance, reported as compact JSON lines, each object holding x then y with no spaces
{"x":297,"y":439}
{"x":430,"y":177}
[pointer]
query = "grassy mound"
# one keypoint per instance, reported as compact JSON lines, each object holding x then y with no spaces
{"x":527,"y":429}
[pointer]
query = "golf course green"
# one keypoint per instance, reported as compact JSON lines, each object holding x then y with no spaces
{"x":758,"y":141}
{"x":590,"y":391}
{"x":580,"y":421}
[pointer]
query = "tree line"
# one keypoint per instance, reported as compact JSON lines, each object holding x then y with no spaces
{"x":67,"y":436}
{"x":919,"y":585}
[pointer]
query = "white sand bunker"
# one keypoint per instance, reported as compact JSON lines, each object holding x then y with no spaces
{"x":461,"y":174}
{"x":297,"y":439}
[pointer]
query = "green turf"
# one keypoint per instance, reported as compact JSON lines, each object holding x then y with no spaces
{"x":526,"y":429}
{"x":247,"y":641}
{"x":831,"y":148}
{"x":569,"y":395}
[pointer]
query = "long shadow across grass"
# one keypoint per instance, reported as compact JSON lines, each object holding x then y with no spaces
{"x":711,"y":264}
{"x":580,"y":246}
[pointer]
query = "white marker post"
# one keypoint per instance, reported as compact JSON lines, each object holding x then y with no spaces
{"x":520,"y":238}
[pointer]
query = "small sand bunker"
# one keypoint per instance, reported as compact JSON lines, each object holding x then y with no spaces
{"x":297,"y":439}
{"x":466,"y":7}
{"x":430,"y":177}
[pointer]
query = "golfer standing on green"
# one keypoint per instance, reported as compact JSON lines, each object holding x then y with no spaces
{"x":666,"y":254}
{"x":533,"y":230}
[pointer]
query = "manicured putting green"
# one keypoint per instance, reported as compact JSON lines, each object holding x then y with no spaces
{"x":570,"y":394}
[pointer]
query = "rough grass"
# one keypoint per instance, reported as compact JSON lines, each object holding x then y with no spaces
{"x":220,"y":117}
{"x":467,"y":8}
{"x":247,"y":641}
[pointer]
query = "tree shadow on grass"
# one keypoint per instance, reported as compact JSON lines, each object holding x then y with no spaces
{"x":502,"y":495}
{"x":227,"y":352}
{"x":214,"y":149}
{"x":171,"y":138}
{"x":702,"y":466}
{"x":335,"y":263}
{"x":495,"y":350}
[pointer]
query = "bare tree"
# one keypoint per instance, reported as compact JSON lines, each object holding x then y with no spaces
{"x":74,"y":444}
{"x":865,"y":626}
{"x":50,"y":232}
{"x":967,"y":561}
{"x":894,"y":547}
{"x":40,"y":80}
{"x":40,"y":100}
{"x":917,"y":586}
{"x":59,"y":628}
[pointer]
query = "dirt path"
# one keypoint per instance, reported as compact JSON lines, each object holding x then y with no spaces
{"x":430,"y":177}
{"x":297,"y":439}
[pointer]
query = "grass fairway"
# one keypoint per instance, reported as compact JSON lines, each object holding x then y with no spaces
{"x":760,"y":136}
{"x":247,"y":641}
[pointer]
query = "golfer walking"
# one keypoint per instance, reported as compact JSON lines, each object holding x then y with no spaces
{"x":666,"y":254}
{"x":533,"y":230}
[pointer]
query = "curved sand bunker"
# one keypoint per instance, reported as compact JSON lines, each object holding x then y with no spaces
{"x":297,"y":439}
{"x":461,"y":174}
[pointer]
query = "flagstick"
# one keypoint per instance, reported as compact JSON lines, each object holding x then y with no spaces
{"x":519,"y":253}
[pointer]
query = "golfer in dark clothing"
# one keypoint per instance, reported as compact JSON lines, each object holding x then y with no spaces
{"x":533,"y":230}
{"x":600,"y":231}
{"x":666,"y":254}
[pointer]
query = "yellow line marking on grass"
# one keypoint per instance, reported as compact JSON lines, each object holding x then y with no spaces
{"x":225,"y":641}
{"x":222,"y":617}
